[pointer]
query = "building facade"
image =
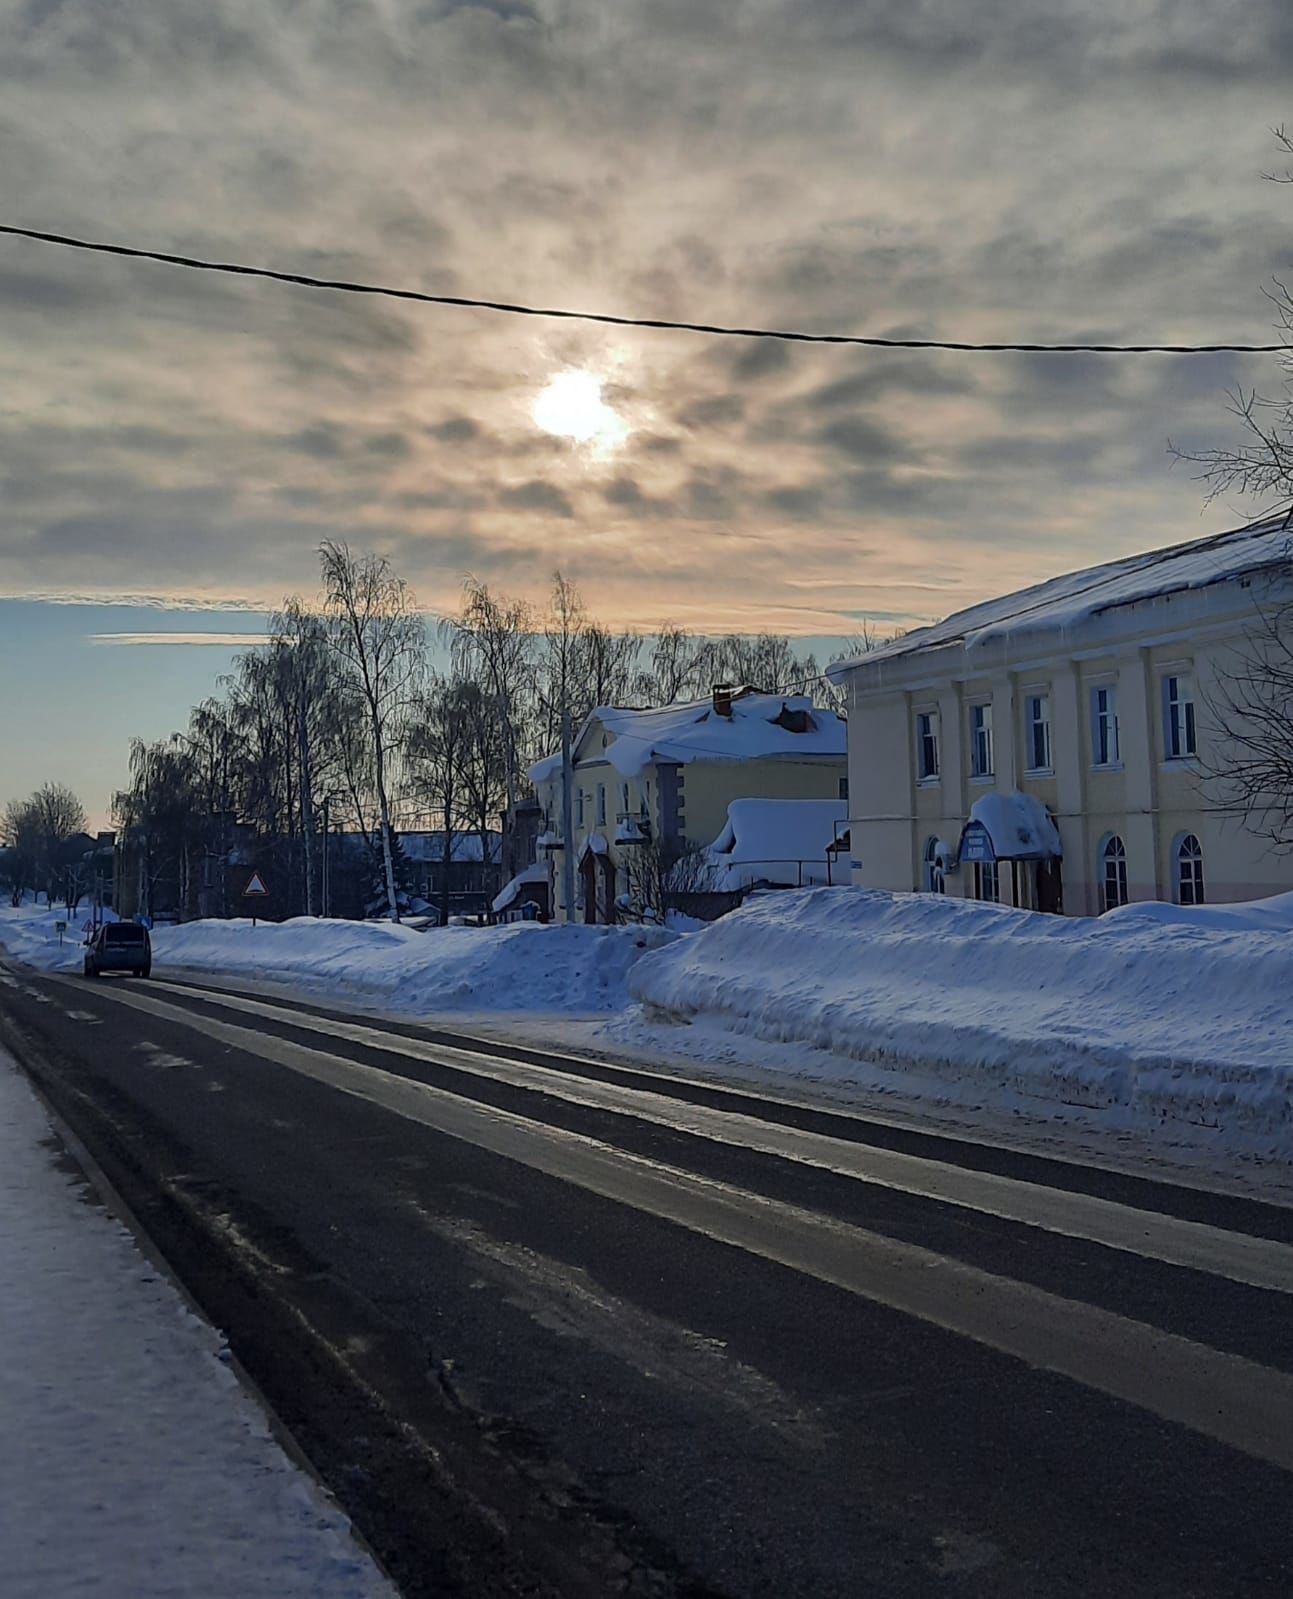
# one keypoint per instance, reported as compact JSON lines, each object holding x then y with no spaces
{"x":650,"y":785}
{"x":1059,"y":748}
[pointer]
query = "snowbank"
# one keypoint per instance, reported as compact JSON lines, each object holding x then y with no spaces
{"x":30,"y":932}
{"x":1179,"y":1013}
{"x":134,"y":1463}
{"x":523,"y":967}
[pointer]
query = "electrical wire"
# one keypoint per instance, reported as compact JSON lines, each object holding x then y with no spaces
{"x":665,"y":324}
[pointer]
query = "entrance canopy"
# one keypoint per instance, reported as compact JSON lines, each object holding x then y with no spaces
{"x":1010,"y":827}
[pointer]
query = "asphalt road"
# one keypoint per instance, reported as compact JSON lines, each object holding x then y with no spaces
{"x":552,"y":1327}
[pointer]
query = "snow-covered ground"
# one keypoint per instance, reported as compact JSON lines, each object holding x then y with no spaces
{"x":132,"y":1463}
{"x":523,"y":967}
{"x":1168,"y":1014}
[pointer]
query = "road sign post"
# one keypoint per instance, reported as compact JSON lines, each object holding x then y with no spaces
{"x":255,"y":890}
{"x":60,"y":928}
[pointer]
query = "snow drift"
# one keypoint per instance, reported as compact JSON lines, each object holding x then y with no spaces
{"x":1181,"y":1013}
{"x":523,"y":967}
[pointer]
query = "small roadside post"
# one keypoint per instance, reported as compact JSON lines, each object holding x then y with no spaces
{"x":60,"y":928}
{"x":255,"y":890}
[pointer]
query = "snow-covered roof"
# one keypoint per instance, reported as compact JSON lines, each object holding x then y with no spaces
{"x":1062,"y":602}
{"x":774,"y":841}
{"x":759,"y":728}
{"x":537,"y":873}
{"x":1019,"y":825}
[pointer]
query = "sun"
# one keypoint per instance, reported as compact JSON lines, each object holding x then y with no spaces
{"x":571,"y":407}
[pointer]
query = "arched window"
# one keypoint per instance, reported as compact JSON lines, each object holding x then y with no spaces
{"x":1113,"y":873}
{"x":1189,"y":871}
{"x":935,"y":883}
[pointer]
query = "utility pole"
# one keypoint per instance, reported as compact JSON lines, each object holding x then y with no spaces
{"x":567,"y":816}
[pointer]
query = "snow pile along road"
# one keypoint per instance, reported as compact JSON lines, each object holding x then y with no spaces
{"x":31,"y":933}
{"x":523,"y":967}
{"x":1179,"y":1013}
{"x":133,"y":1462}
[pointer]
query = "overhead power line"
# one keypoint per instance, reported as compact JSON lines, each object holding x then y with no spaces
{"x":666,"y":324}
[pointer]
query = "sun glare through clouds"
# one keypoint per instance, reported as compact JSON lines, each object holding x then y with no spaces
{"x":571,"y":407}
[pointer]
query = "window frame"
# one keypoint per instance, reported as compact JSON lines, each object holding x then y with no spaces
{"x":986,"y":872}
{"x":935,"y":877}
{"x":1037,"y":697}
{"x":978,"y":770}
{"x":601,"y":805}
{"x":928,"y":741}
{"x":1194,"y":861}
{"x":1180,"y":718}
{"x":1106,"y":728}
{"x":1118,"y":861}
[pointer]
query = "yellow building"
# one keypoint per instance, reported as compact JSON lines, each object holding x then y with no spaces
{"x":1052,"y":748}
{"x":642,"y":779}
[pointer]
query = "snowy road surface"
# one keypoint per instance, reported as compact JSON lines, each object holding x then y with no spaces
{"x":132,"y":1463}
{"x":562,"y":1327}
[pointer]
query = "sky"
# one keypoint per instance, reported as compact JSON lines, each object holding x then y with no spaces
{"x":978,"y":169}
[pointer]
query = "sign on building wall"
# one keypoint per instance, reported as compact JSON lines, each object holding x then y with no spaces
{"x":976,"y":845}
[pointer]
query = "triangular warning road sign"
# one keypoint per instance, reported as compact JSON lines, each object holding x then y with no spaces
{"x":255,"y":887}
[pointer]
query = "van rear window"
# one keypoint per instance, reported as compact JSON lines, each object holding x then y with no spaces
{"x":124,"y":933}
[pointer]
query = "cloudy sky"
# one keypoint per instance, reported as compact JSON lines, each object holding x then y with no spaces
{"x":983,"y":169}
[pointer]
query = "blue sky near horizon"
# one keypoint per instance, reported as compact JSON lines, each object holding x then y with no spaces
{"x":72,"y":698}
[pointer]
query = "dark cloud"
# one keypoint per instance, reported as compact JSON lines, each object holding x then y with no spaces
{"x":882,"y":377}
{"x":715,"y":411}
{"x":536,"y":495}
{"x":861,"y":439}
{"x":455,"y":430}
{"x":323,"y":441}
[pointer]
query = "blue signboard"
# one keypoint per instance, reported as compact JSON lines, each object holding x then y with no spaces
{"x":976,"y":845}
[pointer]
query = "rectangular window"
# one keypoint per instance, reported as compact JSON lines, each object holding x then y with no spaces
{"x":601,"y":805}
{"x":981,"y":740}
{"x":1104,"y":726}
{"x":624,"y":798}
{"x":987,"y":881}
{"x":579,"y":806}
{"x":844,"y":789}
{"x":927,"y":745}
{"x":1179,"y":738}
{"x":1038,"y":711}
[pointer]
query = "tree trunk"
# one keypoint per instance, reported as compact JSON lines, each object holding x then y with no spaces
{"x":307,"y":806}
{"x":567,"y":818}
{"x":388,"y":863}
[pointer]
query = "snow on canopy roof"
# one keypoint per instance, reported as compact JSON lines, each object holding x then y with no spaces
{"x":696,"y":732}
{"x":774,"y":841}
{"x":1063,"y":602}
{"x":535,"y":873}
{"x":1019,"y":825}
{"x":770,"y":829}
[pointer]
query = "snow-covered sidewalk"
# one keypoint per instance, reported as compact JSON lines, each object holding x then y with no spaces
{"x":132,"y":1462}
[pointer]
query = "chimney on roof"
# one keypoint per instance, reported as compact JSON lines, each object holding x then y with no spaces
{"x":722,"y":699}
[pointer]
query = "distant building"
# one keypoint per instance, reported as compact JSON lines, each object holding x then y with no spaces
{"x":1047,"y":749}
{"x":664,"y":779}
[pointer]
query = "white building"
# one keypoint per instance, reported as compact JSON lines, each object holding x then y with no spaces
{"x":1050,"y":748}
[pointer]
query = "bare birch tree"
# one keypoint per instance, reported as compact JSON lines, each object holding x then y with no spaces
{"x":1247,"y":756}
{"x":378,"y":636}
